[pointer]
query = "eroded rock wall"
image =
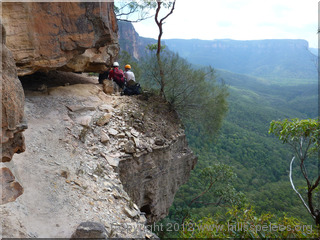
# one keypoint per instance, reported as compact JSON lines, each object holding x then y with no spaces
{"x":148,"y":148}
{"x":12,"y":120}
{"x":44,"y":36}
{"x":68,"y":36}
{"x":153,"y":179}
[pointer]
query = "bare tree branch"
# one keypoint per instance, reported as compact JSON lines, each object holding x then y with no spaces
{"x":134,"y":21}
{"x":292,"y":184}
{"x":315,"y":184}
{"x":159,"y":24}
{"x":174,"y":2}
{"x":218,"y":203}
{"x":203,"y":192}
{"x":133,"y":9}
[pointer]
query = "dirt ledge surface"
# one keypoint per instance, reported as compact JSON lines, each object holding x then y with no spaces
{"x":66,"y":178}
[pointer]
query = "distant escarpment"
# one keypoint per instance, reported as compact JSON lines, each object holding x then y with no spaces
{"x":272,"y":59}
{"x":67,"y":36}
{"x":131,"y":42}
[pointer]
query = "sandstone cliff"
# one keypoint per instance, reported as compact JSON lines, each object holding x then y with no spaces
{"x":68,"y":36}
{"x":41,"y":37}
{"x":131,"y":42}
{"x":93,"y":157}
{"x":12,"y":122}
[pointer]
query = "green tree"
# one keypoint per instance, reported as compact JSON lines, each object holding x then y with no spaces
{"x":214,"y":186}
{"x":303,"y":137}
{"x":193,"y":93}
{"x":245,"y":223}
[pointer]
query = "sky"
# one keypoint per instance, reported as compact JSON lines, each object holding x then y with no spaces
{"x":238,"y":20}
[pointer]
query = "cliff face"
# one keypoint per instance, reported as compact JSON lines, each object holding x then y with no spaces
{"x":128,"y":34}
{"x":153,"y":179}
{"x":13,"y":123}
{"x":131,"y":42}
{"x":155,"y":159}
{"x":68,"y":36}
{"x":12,"y":106}
{"x":43,"y":37}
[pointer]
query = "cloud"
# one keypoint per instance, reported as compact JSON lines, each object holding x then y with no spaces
{"x":239,"y":19}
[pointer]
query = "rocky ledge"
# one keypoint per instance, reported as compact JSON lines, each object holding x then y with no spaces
{"x":143,"y":141}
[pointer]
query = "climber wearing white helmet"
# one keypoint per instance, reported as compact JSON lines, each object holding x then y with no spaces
{"x":117,"y":75}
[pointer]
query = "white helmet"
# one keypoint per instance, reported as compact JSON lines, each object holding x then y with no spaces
{"x":116,"y":64}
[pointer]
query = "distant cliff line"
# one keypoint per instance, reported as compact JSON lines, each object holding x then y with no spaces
{"x":273,"y":59}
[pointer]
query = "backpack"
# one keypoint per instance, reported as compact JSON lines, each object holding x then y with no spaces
{"x":103,"y":76}
{"x":118,"y":76}
{"x":132,"y":90}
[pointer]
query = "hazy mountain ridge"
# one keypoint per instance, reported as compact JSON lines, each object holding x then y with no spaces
{"x":314,"y":51}
{"x":272,"y":59}
{"x":280,"y":61}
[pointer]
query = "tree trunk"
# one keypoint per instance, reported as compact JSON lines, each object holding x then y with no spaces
{"x":159,"y":23}
{"x":318,"y":219}
{"x":161,"y":72}
{"x":162,"y":78}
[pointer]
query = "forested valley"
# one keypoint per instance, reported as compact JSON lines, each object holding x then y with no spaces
{"x":249,"y":165}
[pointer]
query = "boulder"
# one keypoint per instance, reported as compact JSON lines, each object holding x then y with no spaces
{"x":10,"y":188}
{"x":90,"y":230}
{"x":104,"y":138}
{"x":104,"y":119}
{"x":129,"y":147}
{"x":108,"y":87}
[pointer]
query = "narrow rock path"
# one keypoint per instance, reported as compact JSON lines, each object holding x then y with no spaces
{"x":67,"y":173}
